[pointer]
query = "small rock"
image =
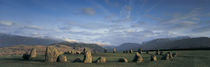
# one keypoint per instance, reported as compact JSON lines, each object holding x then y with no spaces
{"x":62,"y":58}
{"x":138,"y":58}
{"x":125,"y":60}
{"x":153,"y":58}
{"x":101,"y":60}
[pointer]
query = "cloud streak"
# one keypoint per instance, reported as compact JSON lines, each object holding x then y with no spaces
{"x":6,"y":23}
{"x":89,"y":11}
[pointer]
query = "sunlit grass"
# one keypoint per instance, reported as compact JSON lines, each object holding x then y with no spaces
{"x":183,"y":59}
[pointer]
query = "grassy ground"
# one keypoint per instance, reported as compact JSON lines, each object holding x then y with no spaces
{"x":197,"y":58}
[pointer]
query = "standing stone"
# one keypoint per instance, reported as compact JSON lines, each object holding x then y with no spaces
{"x":140,"y":50}
{"x":105,"y":50}
{"x":87,"y":57}
{"x":147,"y":51}
{"x":158,"y":52}
{"x":78,"y":52}
{"x":33,"y":53}
{"x":174,"y":54}
{"x":165,"y":57}
{"x":101,"y":60}
{"x":161,"y":52}
{"x":153,"y":58}
{"x":138,"y":58}
{"x":69,"y":52}
{"x":26,"y":56}
{"x":125,"y":60}
{"x":51,"y":54}
{"x":84,"y":50}
{"x":170,"y":55}
{"x":114,"y":50}
{"x":130,"y":51}
{"x":126,"y":51}
{"x":62,"y":58}
{"x":73,"y":51}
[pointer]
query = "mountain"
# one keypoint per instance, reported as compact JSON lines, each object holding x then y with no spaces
{"x":165,"y":43}
{"x":127,"y":46}
{"x":11,"y":40}
{"x":14,"y":44}
{"x":169,"y":43}
{"x":79,"y":45}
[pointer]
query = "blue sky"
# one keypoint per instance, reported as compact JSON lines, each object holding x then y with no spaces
{"x":110,"y":22}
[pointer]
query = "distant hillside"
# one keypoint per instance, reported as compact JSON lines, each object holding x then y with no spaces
{"x":78,"y":45}
{"x":11,"y":40}
{"x":21,"y":49}
{"x":7,"y":40}
{"x":166,"y":43}
{"x":127,"y":46}
{"x":169,"y":43}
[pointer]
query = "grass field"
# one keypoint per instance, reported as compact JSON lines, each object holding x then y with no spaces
{"x":198,"y":58}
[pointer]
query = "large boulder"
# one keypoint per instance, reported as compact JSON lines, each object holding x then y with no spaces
{"x":158,"y":52}
{"x":174,"y":54}
{"x":147,"y":52}
{"x":125,"y":60}
{"x":84,"y":50}
{"x":33,"y":53}
{"x":153,"y":58}
{"x":87,"y":57}
{"x":140,"y":50}
{"x":105,"y":50}
{"x":78,"y":52}
{"x":51,"y":54}
{"x":130,"y":51}
{"x":62,"y":58}
{"x":165,"y":57}
{"x":138,"y":58}
{"x":73,"y":51}
{"x":126,"y":51}
{"x":101,"y":60}
{"x":114,"y":50}
{"x":170,"y":55}
{"x":26,"y":56}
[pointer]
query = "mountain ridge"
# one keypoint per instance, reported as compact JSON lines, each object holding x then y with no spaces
{"x":7,"y":40}
{"x":170,"y":43}
{"x":11,"y":40}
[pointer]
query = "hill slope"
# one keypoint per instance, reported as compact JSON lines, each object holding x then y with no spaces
{"x":200,"y":42}
{"x":78,"y":45}
{"x":169,"y":43}
{"x":11,"y":40}
{"x":127,"y":46}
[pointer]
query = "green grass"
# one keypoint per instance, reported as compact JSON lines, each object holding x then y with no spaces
{"x":197,"y":58}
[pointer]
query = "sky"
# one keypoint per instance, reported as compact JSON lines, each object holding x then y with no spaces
{"x":109,"y":22}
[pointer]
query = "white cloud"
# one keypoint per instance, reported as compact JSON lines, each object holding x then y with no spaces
{"x":32,"y":27}
{"x":89,"y":11}
{"x":6,"y":23}
{"x":69,"y":40}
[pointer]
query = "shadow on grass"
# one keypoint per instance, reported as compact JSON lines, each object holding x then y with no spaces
{"x":20,"y":60}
